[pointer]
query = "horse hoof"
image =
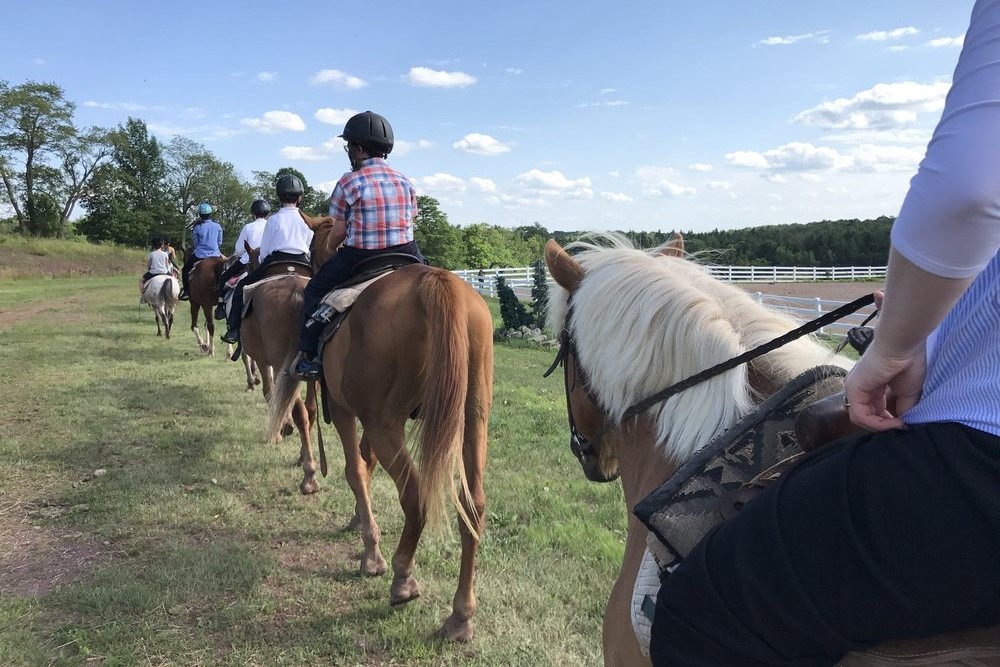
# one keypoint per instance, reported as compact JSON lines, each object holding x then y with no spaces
{"x":256,"y":380}
{"x":455,"y":629}
{"x":374,"y":567}
{"x":308,"y":487}
{"x":403,"y":590}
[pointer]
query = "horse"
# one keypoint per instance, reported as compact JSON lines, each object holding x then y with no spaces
{"x":204,"y":296}
{"x":269,"y":336}
{"x":418,"y":343}
{"x":161,"y":293}
{"x":637,"y":321}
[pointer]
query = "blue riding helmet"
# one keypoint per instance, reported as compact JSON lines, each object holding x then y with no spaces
{"x":205,"y":209}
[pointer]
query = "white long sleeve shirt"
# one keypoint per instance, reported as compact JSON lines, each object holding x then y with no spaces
{"x":285,"y":231}
{"x":251,"y":234}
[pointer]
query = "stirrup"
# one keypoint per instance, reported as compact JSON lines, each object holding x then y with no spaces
{"x":231,"y":336}
{"x":308,"y":368}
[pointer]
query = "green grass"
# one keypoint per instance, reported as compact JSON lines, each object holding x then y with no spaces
{"x":25,"y":257}
{"x":195,"y":547}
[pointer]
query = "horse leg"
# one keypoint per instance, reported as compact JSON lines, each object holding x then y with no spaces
{"x":210,"y":328}
{"x":194,"y":326}
{"x":248,"y":365}
{"x":301,"y":417}
{"x":389,"y":443}
{"x":458,"y":626}
{"x":368,"y":456}
{"x":156,"y":316}
{"x":355,"y":471}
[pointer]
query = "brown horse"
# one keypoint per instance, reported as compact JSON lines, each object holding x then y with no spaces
{"x":204,"y":296}
{"x":417,"y":343}
{"x":269,"y":335}
{"x":635,"y":322}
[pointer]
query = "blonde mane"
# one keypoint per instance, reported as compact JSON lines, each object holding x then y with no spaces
{"x":642,"y":321}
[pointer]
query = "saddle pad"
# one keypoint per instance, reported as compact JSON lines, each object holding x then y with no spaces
{"x":341,"y":299}
{"x":248,"y":290}
{"x":690,"y":503}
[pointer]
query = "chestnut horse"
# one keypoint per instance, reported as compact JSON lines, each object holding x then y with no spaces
{"x":204,"y":296}
{"x":269,"y":335}
{"x":417,"y":343}
{"x":639,"y":321}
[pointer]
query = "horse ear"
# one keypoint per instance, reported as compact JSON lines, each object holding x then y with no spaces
{"x":674,"y":247}
{"x":565,"y":270}
{"x":246,"y":246}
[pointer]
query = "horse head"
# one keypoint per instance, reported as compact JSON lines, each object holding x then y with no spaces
{"x":595,"y":453}
{"x":254,"y":254}
{"x":327,"y":237}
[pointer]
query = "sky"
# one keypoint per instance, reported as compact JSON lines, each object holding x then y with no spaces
{"x":647,"y":115}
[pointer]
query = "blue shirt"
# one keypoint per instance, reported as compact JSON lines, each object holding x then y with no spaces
{"x":963,"y":360}
{"x":207,"y":239}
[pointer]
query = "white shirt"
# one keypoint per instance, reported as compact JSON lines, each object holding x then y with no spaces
{"x":159,"y":262}
{"x":285,"y":231}
{"x":251,"y":233}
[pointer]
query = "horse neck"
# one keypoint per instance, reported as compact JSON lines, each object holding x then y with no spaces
{"x":321,"y":245}
{"x":642,"y":465}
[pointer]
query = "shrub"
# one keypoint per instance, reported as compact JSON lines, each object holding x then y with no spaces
{"x":539,"y":294}
{"x":512,"y":311}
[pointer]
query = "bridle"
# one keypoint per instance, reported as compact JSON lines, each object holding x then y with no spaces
{"x":583,"y":447}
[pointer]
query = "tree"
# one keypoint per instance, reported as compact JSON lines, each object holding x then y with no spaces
{"x":512,"y":311}
{"x":35,"y":118}
{"x":539,"y":294}
{"x":127,"y":201}
{"x":439,"y":241}
{"x":79,"y":159}
{"x":314,"y":202}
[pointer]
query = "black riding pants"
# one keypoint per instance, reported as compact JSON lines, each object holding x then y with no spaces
{"x":336,"y":270}
{"x":236,"y":269}
{"x":892,"y":535}
{"x":236,"y":307}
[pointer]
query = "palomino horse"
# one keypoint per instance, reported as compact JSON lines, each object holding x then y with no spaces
{"x":417,"y":343}
{"x":161,"y":293}
{"x":269,"y":335}
{"x":204,"y":296}
{"x":635,"y":322}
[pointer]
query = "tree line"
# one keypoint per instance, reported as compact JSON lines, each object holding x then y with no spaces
{"x":133,"y":186}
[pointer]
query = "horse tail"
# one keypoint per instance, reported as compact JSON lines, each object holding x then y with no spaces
{"x":286,"y":390}
{"x":168,"y":296}
{"x":443,"y":396}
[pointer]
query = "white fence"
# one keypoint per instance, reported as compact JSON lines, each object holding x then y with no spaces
{"x":521,"y":281}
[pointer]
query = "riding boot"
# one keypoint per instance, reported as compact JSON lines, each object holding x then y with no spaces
{"x":233,"y":321}
{"x":308,"y":366}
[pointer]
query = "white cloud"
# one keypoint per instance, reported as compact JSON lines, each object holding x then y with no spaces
{"x":794,"y":156}
{"x":942,"y":42}
{"x":609,"y":103}
{"x":401,"y":147}
{"x":700,"y":166}
{"x":441,"y":182}
{"x":822,"y":37}
{"x":424,"y":76}
{"x":483,"y":184}
{"x":884,"y":105}
{"x":719,"y":185}
{"x":659,"y":182}
{"x":514,"y":70}
{"x":810,"y":177}
{"x":545,"y":184}
{"x":267,"y":77}
{"x":480,"y":144}
{"x":272,"y":122}
{"x":333,"y":116}
{"x":326,"y":186}
{"x":338,"y":79}
{"x":607,"y":91}
{"x":883,"y":159}
{"x":303,"y":153}
{"x":38,"y":61}
{"x":617,"y":197}
{"x":886,"y":35}
{"x":776,"y":178}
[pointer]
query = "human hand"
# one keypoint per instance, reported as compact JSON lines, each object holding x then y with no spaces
{"x":881,"y":387}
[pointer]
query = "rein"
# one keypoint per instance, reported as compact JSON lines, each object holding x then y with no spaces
{"x":582,"y":446}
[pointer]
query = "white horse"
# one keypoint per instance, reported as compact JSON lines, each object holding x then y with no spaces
{"x":161,"y":293}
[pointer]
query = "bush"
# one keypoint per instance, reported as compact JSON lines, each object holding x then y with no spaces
{"x":512,"y":311}
{"x":539,"y":294}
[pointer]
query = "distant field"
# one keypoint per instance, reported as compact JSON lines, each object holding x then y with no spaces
{"x":24,"y":257}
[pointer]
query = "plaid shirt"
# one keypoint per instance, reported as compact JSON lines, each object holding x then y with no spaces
{"x":378,"y":203}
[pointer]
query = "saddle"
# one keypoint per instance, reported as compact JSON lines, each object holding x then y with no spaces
{"x":804,"y":415}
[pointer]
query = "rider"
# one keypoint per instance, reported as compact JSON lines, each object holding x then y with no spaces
{"x":250,"y":236}
{"x":894,"y":534}
{"x":286,"y":238}
{"x":157,"y":262}
{"x":206,"y":237}
{"x":373,"y":207}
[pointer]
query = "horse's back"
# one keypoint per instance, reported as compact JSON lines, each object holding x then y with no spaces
{"x":270,"y":331}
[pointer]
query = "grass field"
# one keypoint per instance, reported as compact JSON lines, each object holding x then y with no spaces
{"x":144,"y":521}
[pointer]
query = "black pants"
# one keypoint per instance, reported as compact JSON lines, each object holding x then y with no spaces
{"x":235,"y":269}
{"x":236,"y":307}
{"x":892,"y":535}
{"x":186,"y":270}
{"x":338,"y":269}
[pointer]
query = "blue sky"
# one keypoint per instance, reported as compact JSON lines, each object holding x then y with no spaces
{"x":579,"y":116}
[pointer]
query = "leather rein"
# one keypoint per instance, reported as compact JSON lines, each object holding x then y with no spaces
{"x":583,"y":447}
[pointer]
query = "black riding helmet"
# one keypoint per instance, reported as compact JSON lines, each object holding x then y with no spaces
{"x":370,"y":130}
{"x":260,"y":208}
{"x":289,"y":185}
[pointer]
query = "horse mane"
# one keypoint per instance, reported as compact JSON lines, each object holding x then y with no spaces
{"x":642,"y":321}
